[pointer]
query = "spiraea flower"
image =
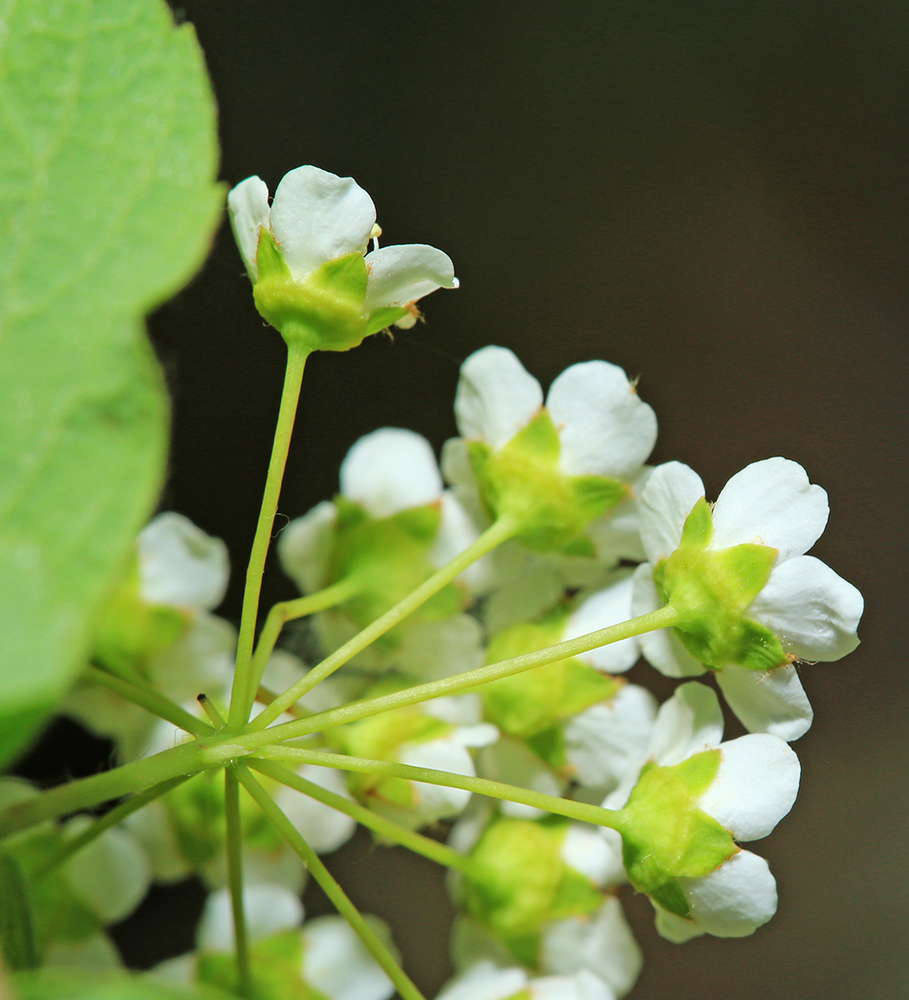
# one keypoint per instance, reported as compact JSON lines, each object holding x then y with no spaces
{"x":752,"y":602}
{"x":694,"y":799}
{"x":321,"y":958}
{"x":306,"y":255}
{"x":392,"y":525}
{"x":559,"y":472}
{"x":159,"y":625}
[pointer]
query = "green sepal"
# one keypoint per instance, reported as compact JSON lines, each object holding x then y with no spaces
{"x":712,"y":590}
{"x":196,"y":813}
{"x":517,"y":882}
{"x":390,"y":558}
{"x":513,"y":877}
{"x":522,"y":481}
{"x":276,"y":964}
{"x":549,"y":746}
{"x":528,"y":703}
{"x":381,"y":319}
{"x":130,"y":631}
{"x":18,"y":948}
{"x":666,"y":837}
{"x":378,"y":738}
{"x":322,"y":313}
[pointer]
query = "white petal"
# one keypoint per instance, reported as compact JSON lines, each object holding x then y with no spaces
{"x":304,"y":547}
{"x":609,"y":606}
{"x":111,"y":873}
{"x":513,"y":762}
{"x":484,"y":981}
{"x":581,"y":985}
{"x":662,"y":648}
{"x":202,"y":660}
{"x":586,"y":851}
{"x":689,"y":722}
{"x":180,"y":565}
{"x":770,"y":503}
{"x":496,"y":397}
{"x":734,"y":900}
{"x":605,"y":741}
{"x":433,"y":650}
{"x":675,"y":929}
{"x":601,"y":942}
{"x":457,"y":530}
{"x":389,"y":471}
{"x":444,"y":754}
{"x":767,"y":702}
{"x":247,"y":207}
{"x":617,"y":534}
{"x":671,"y":491}
{"x":456,"y":710}
{"x":152,"y":827}
{"x":399,"y":275}
{"x":604,"y":427}
{"x":337,"y":964}
{"x":317,"y":216}
{"x":268,"y":909}
{"x":755,"y":785}
{"x":812,"y":609}
{"x":323,"y":828}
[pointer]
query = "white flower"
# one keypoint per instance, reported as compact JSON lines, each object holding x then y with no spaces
{"x":812,"y":611}
{"x":603,"y":426}
{"x":487,"y":981}
{"x":601,"y":943}
{"x":388,"y":472}
{"x":316,"y":217}
{"x":180,"y":565}
{"x":754,"y":787}
{"x":562,"y":472}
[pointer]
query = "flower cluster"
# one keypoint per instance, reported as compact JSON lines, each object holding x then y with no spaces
{"x":541,"y":525}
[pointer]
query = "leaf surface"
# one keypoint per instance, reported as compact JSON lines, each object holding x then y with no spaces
{"x":108,"y":155}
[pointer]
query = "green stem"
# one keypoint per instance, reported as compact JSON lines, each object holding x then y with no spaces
{"x":218,"y":750}
{"x":330,"y":887}
{"x":147,"y":697}
{"x":128,"y":779}
{"x":108,"y":820}
{"x":662,"y":618}
{"x":286,"y":611}
{"x":240,"y":700}
{"x":234,"y":840}
{"x":497,"y":533}
{"x":386,"y":828}
{"x":208,"y":706}
{"x":481,"y":786}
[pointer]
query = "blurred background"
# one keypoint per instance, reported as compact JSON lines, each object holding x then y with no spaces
{"x":712,"y":196}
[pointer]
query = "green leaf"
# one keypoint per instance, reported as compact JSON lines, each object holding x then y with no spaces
{"x":107,"y":204}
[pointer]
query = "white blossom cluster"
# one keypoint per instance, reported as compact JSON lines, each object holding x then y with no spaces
{"x":599,"y":537}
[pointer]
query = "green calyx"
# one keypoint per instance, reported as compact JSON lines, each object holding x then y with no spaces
{"x":324,"y":312}
{"x":712,"y":589}
{"x":517,"y":882}
{"x":196,"y":814}
{"x":389,"y":557}
{"x":526,"y":704}
{"x":522,"y":481}
{"x":379,"y":737}
{"x":276,"y":967}
{"x":665,"y":836}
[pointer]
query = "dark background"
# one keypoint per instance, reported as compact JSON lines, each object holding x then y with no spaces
{"x":712,"y":196}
